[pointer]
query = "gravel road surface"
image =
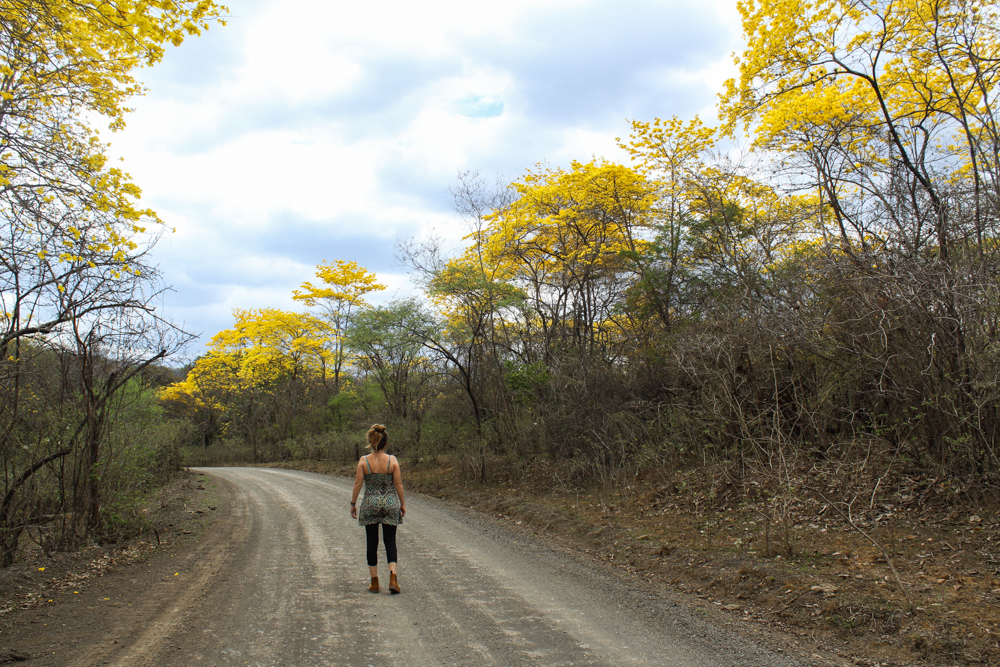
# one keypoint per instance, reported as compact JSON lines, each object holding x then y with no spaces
{"x":292,"y":590}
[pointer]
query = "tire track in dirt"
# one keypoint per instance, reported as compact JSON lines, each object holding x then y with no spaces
{"x":280,"y":579}
{"x":148,"y":623}
{"x":473,"y":594}
{"x":212,"y":558}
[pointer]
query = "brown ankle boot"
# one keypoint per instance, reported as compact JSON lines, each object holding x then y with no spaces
{"x":393,"y":584}
{"x":374,"y":587}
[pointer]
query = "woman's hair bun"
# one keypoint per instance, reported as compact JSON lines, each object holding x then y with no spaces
{"x":377,"y":437}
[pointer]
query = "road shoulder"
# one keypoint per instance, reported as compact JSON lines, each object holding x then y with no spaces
{"x":105,"y":601}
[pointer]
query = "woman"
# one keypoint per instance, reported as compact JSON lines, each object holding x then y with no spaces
{"x":383,"y":503}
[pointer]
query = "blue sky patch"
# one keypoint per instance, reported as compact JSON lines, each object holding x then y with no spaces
{"x":479,"y":106}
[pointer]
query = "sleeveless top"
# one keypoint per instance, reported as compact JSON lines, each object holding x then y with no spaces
{"x":380,"y":504}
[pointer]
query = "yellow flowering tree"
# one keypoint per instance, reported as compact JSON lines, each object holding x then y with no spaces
{"x":673,"y":157}
{"x":254,"y":375}
{"x":565,"y":240}
{"x":340,"y":297}
{"x":891,"y":105}
{"x":73,"y":237}
{"x":62,"y":204}
{"x":206,"y":394}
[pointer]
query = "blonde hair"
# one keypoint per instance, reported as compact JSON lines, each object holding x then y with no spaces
{"x":377,"y":438}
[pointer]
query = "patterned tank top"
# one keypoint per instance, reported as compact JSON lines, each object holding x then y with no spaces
{"x":381,"y":503}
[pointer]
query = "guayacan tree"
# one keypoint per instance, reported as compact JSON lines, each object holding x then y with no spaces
{"x":76,"y":286}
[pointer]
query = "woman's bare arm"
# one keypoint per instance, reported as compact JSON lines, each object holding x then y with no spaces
{"x":397,"y":480}
{"x":359,"y":480}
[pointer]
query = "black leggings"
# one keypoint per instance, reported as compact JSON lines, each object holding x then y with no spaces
{"x":388,"y":536}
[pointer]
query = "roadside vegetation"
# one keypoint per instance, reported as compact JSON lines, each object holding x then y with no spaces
{"x":82,"y":437}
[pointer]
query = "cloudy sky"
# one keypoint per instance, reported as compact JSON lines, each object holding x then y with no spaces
{"x":311,"y":130}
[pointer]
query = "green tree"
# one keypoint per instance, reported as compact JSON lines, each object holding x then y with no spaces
{"x":390,"y":349}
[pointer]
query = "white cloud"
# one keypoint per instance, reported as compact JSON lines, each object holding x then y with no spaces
{"x":309,"y":129}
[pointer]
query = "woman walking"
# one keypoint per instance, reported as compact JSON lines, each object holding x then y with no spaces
{"x":383,"y":503}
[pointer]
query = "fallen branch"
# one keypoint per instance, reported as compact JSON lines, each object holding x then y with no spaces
{"x":877,"y":543}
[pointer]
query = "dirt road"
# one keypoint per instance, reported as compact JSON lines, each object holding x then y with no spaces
{"x":283,"y":582}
